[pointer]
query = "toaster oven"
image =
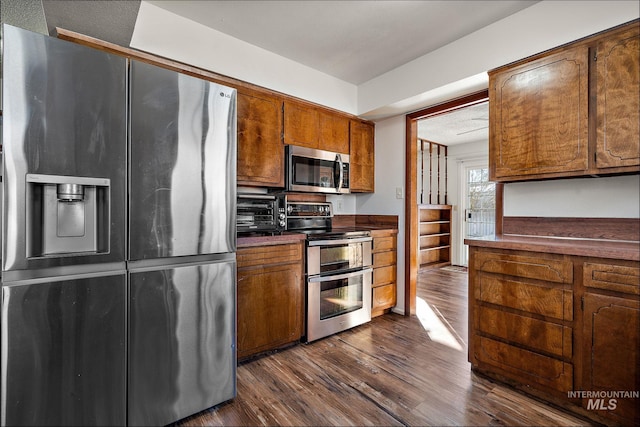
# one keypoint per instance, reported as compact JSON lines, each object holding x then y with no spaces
{"x":260,"y":213}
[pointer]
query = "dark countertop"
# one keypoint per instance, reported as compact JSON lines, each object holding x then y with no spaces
{"x":613,"y":249}
{"x":367,"y":228}
{"x":262,"y":239}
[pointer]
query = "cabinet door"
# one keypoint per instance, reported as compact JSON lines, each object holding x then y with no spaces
{"x":539,"y":117}
{"x":612,"y":353}
{"x":618,"y":100}
{"x":301,"y":125}
{"x":270,"y":297}
{"x":334,"y":132}
{"x":260,"y":148}
{"x":269,"y":307}
{"x":362,"y":157}
{"x":383,"y":297}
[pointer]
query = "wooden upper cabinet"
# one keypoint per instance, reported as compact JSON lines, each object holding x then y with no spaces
{"x":618,"y":99}
{"x":539,"y":117}
{"x":362,"y":157}
{"x":260,"y":149}
{"x":309,"y":126}
{"x":334,"y":132}
{"x":301,"y":125}
{"x":571,"y":111}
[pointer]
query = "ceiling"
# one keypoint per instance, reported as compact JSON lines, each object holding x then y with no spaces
{"x":354,"y":41}
{"x":468,"y":124}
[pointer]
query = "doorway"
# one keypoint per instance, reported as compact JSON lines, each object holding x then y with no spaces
{"x":411,"y":177}
{"x":477,"y":217}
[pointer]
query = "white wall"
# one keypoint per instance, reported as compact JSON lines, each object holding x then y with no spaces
{"x":607,"y":197}
{"x":343,"y":204}
{"x":390,"y":167}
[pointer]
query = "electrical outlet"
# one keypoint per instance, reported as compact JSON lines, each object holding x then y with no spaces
{"x":339,"y":205}
{"x":399,"y":194}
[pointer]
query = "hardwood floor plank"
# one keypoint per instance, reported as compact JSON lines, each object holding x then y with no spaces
{"x":394,"y":370}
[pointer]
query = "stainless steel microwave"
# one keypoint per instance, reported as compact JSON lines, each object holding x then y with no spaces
{"x":316,"y":171}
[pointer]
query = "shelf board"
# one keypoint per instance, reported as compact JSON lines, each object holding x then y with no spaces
{"x":435,"y":264}
{"x":433,"y":248}
{"x":435,"y":234}
{"x":440,"y":221}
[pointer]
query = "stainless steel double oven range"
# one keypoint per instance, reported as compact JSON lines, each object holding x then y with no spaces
{"x":338,"y":270}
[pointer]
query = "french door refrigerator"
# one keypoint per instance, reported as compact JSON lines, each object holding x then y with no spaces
{"x":118,"y":259}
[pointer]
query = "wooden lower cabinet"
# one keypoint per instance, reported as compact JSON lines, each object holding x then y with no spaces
{"x":612,"y":339}
{"x":522,"y":319}
{"x":270,"y":297}
{"x":384,"y":271}
{"x":554,"y":325}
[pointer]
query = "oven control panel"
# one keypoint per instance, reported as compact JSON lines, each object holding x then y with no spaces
{"x":309,"y":210}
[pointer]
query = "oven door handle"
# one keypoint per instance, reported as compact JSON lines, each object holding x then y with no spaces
{"x":318,"y":279}
{"x":335,"y":242}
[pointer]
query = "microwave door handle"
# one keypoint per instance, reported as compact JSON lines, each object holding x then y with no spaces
{"x":340,"y":172}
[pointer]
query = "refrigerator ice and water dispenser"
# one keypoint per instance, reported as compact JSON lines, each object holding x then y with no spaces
{"x":67,"y":215}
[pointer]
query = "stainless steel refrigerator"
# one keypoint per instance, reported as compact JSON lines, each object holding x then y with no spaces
{"x":118,"y":228}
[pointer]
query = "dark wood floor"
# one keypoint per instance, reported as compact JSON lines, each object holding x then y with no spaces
{"x":394,"y":370}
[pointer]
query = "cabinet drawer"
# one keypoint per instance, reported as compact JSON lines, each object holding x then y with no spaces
{"x":555,"y":270}
{"x":616,"y":278}
{"x":384,"y":275}
{"x":383,"y":297}
{"x":533,"y":298}
{"x":547,"y":337}
{"x":523,"y":365}
{"x":265,"y":255}
{"x":382,"y":259}
{"x":384,"y":243}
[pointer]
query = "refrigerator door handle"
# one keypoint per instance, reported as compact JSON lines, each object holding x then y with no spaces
{"x":164,"y":263}
{"x":63,"y":273}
